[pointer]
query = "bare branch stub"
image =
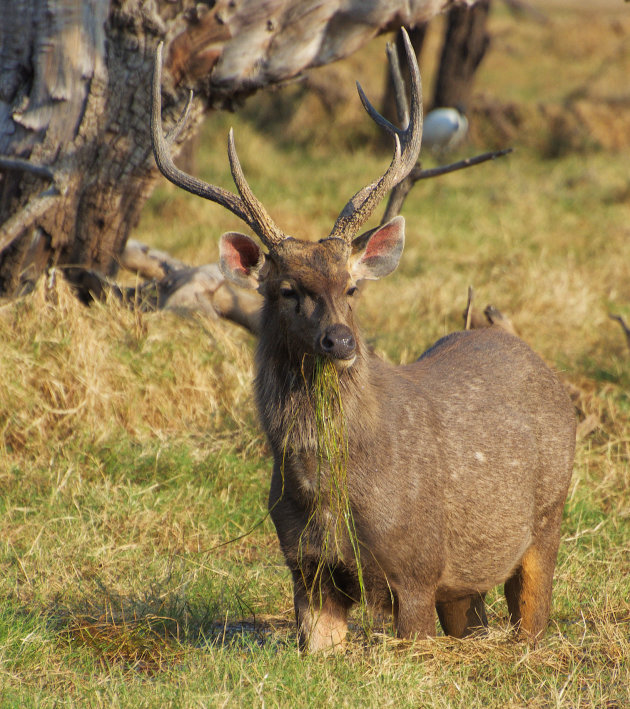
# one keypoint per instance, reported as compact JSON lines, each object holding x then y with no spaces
{"x":468,"y":312}
{"x":496,"y":318}
{"x":148,"y":262}
{"x":492,"y":317}
{"x":23,"y":219}
{"x":420,"y":174}
{"x":37,"y":205}
{"x":624,"y":326}
{"x":19,"y":165}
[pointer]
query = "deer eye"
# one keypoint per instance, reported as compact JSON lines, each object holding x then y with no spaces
{"x":288,"y":292}
{"x":351,"y":291}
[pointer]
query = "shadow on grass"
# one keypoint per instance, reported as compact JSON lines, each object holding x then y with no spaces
{"x":160,"y":630}
{"x":149,"y":645}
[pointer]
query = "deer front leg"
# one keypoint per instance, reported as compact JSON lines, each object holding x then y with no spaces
{"x":414,"y":613}
{"x":321,"y":618}
{"x":321,"y":612}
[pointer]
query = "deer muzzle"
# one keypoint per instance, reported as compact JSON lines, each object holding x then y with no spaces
{"x":338,"y":343}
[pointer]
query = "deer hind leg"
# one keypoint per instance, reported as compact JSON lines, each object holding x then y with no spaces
{"x":463,"y":616}
{"x":528,"y":590}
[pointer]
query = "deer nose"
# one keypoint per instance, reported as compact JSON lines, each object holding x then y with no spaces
{"x":338,"y":341}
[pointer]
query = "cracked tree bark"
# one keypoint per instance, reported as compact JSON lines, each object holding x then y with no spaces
{"x":74,"y":103}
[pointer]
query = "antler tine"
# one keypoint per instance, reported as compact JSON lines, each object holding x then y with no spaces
{"x":402,"y":107}
{"x":407,"y":142}
{"x":272,"y":234}
{"x":172,"y":135}
{"x":246,"y":207}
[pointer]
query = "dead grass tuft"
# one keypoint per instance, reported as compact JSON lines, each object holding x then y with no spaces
{"x":139,"y":645}
{"x":80,"y":372}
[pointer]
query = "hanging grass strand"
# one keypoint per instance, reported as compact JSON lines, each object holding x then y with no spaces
{"x":332,"y":470}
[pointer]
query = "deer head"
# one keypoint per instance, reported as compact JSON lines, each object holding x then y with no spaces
{"x":307,"y":286}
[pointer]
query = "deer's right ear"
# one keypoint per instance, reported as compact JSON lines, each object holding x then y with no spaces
{"x":241,"y":259}
{"x":377,"y":252}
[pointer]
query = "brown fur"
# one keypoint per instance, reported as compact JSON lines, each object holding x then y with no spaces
{"x":458,"y":464}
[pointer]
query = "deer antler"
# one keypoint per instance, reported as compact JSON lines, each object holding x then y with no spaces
{"x":407,"y":142}
{"x":246,"y":207}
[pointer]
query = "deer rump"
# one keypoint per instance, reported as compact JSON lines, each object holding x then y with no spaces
{"x":458,"y":468}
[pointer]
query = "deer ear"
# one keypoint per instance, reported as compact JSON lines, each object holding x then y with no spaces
{"x":241,"y":259}
{"x":377,"y":252}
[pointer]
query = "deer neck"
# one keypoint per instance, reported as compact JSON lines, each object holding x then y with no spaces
{"x":286,"y":395}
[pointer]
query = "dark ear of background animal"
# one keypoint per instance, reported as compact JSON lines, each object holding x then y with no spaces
{"x":376,"y":254}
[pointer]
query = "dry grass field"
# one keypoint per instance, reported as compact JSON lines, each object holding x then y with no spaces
{"x":137,"y":565}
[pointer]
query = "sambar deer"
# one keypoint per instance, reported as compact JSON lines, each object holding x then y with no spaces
{"x":450,"y":474}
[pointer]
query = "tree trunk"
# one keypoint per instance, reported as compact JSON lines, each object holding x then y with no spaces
{"x":75,"y":153}
{"x":465,"y":43}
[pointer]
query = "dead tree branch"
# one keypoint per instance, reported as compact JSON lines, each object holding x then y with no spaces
{"x":19,"y":165}
{"x":175,"y":286}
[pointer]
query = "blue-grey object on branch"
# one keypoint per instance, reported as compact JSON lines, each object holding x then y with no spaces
{"x":443,"y":130}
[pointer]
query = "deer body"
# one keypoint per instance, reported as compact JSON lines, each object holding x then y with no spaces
{"x":451,"y":472}
{"x":458,"y":467}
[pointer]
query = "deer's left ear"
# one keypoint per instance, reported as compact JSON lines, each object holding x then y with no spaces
{"x":376,"y":253}
{"x":241,"y":259}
